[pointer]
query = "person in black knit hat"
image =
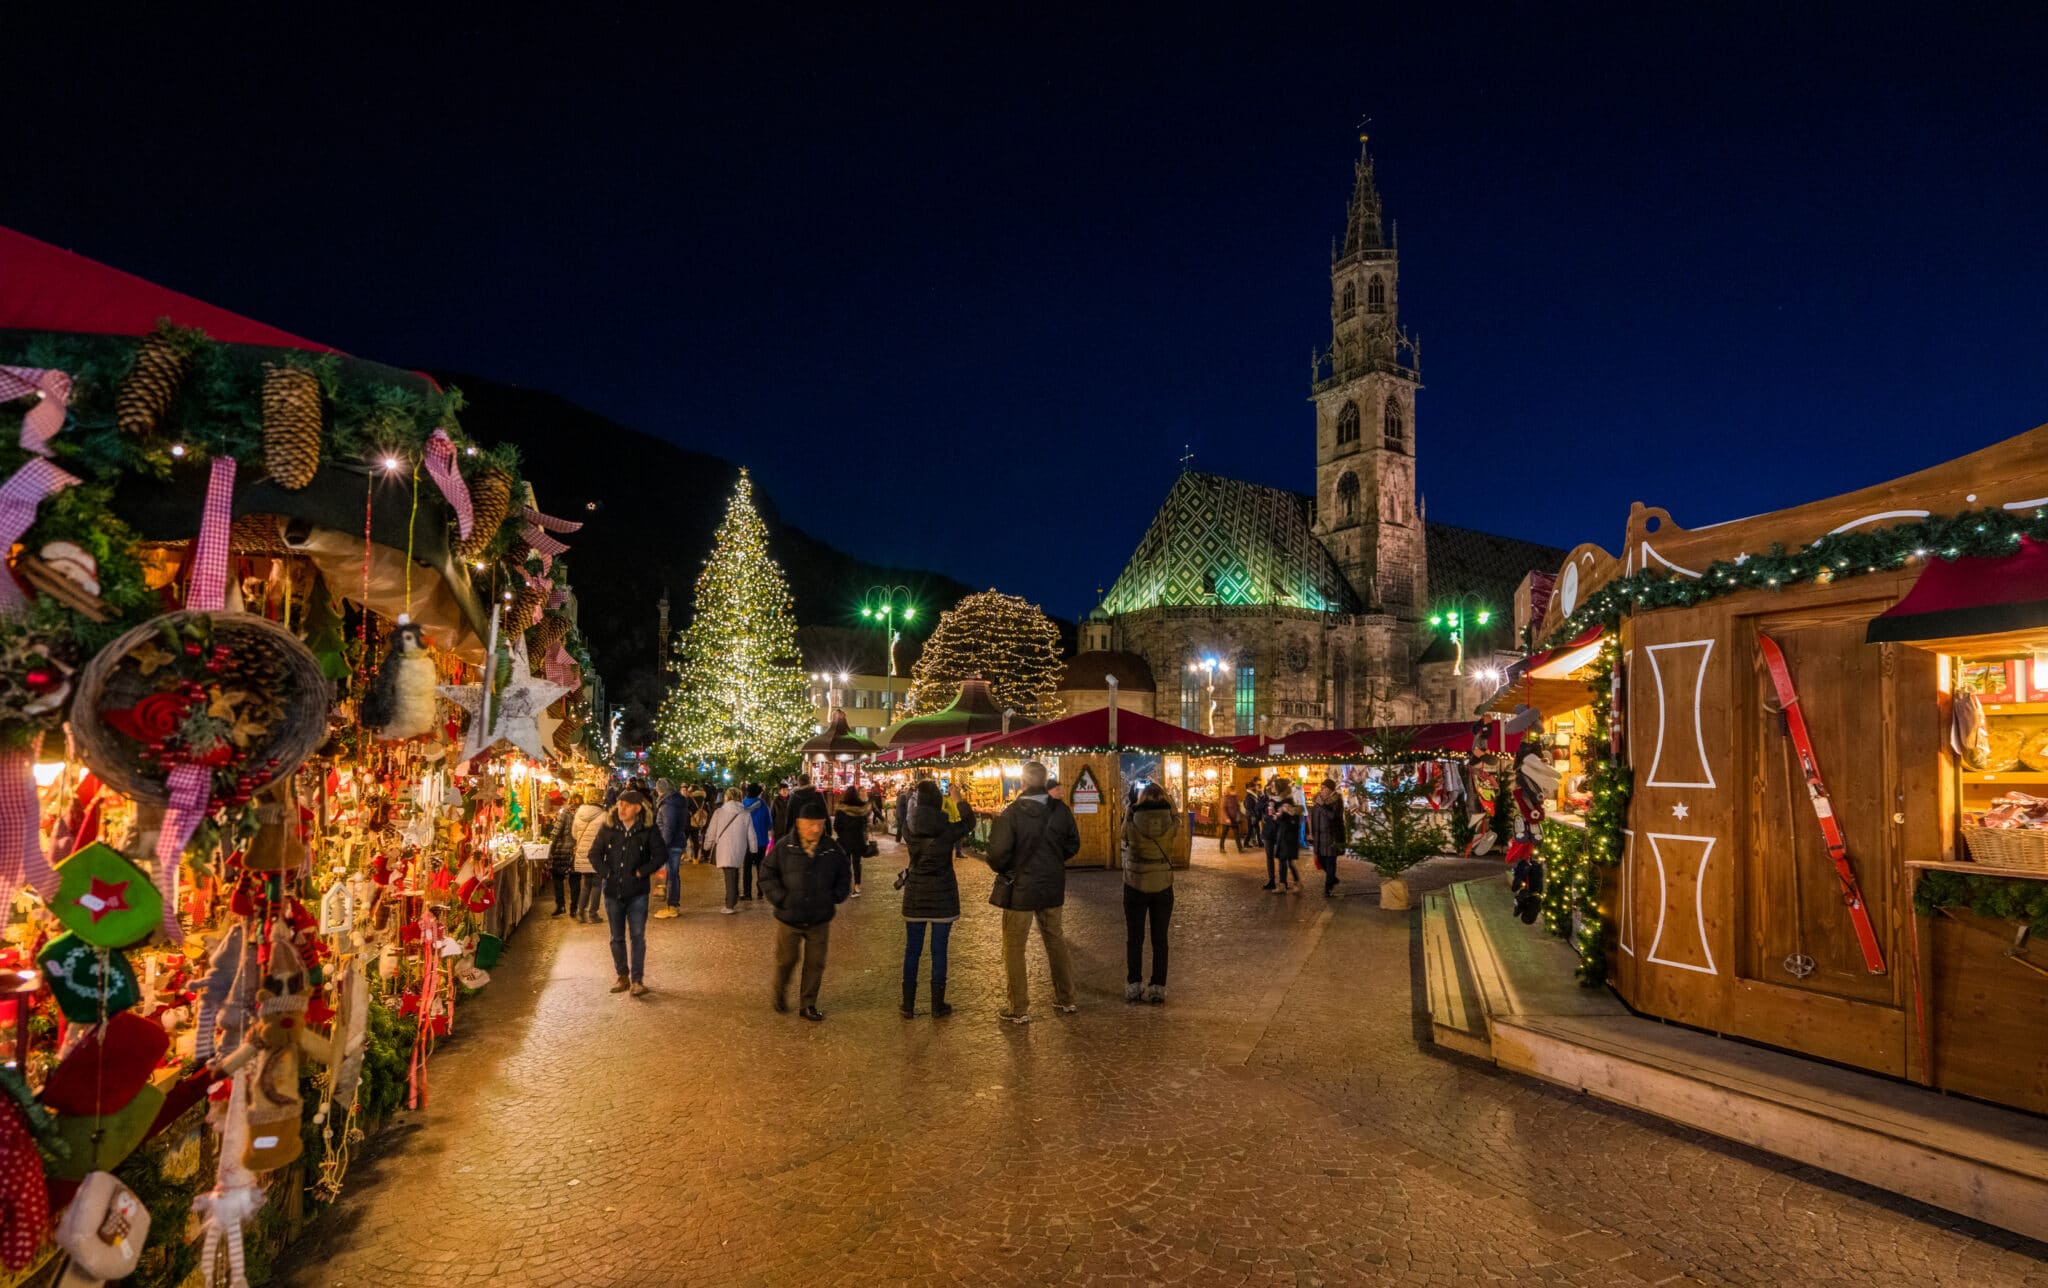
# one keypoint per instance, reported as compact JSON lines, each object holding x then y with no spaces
{"x":805,"y":878}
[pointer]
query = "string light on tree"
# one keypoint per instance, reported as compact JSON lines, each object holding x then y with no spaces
{"x":741,"y":698}
{"x":1006,"y":641}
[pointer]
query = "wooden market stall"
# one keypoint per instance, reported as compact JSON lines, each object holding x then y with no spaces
{"x":1893,"y":644}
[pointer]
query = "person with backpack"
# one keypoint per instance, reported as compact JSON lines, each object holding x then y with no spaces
{"x":758,"y":819}
{"x":1028,"y":848}
{"x":700,"y":822}
{"x":1148,"y":891}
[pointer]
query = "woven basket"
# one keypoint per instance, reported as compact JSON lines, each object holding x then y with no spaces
{"x":110,"y":681}
{"x":2009,"y":847}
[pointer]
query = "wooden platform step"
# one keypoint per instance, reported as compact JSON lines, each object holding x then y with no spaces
{"x":1456,"y":1016}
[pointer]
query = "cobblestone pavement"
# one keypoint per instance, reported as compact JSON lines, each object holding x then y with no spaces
{"x":1280,"y":1121}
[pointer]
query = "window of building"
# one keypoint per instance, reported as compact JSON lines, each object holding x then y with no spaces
{"x":1376,"y":295}
{"x":1247,"y":690}
{"x":1190,"y":700}
{"x":1396,"y":435}
{"x":1347,"y":498}
{"x":863,"y":699}
{"x":1350,"y":305}
{"x":1347,"y":424}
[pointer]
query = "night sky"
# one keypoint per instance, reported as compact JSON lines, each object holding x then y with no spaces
{"x":959,"y":292}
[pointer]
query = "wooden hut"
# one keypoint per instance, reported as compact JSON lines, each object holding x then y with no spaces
{"x":1877,"y":610}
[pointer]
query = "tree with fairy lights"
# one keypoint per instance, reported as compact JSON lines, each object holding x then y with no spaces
{"x":741,"y":701}
{"x":1004,"y":640}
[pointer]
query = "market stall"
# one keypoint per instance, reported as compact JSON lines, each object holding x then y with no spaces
{"x":1814,"y":739}
{"x":288,"y":671}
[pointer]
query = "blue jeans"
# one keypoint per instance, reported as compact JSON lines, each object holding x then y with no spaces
{"x":628,"y":916}
{"x":675,"y":876}
{"x":913,"y":949}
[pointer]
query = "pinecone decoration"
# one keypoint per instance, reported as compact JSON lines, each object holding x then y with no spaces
{"x":552,"y":630}
{"x":528,"y":602}
{"x":566,"y":734}
{"x":291,"y":426}
{"x":144,"y":398}
{"x":490,"y":498}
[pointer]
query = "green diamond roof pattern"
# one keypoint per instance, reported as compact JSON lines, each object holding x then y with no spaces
{"x":1224,"y":541}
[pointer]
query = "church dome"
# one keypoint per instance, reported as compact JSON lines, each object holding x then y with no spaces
{"x":1090,"y":672}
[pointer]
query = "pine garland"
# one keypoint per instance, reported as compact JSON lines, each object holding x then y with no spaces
{"x":1004,"y":640}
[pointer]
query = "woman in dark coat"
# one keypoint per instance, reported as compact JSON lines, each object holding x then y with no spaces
{"x":1326,"y":831}
{"x":931,"y":891}
{"x":561,"y":849}
{"x":850,"y":826}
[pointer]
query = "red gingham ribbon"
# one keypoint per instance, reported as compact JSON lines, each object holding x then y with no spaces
{"x":534,"y":583}
{"x":558,"y":597}
{"x":559,"y":666}
{"x":44,"y":419}
{"x":441,"y":468}
{"x":550,"y":522}
{"x":543,"y":545}
{"x":20,"y":827}
{"x":191,"y":792}
{"x":19,"y":498}
{"x":208,"y":591}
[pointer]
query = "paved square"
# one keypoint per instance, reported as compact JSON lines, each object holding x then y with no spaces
{"x":1280,"y":1121}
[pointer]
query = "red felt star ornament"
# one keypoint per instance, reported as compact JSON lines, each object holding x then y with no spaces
{"x":105,"y":897}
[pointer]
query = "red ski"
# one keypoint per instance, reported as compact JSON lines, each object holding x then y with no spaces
{"x":1823,"y":808}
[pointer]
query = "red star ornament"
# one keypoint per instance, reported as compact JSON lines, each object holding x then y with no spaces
{"x":104,"y":897}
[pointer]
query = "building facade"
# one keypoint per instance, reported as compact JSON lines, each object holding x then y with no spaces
{"x":1259,"y":610}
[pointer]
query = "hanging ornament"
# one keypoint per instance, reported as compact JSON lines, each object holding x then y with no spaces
{"x":161,"y":363}
{"x":274,"y":1046}
{"x":24,"y":1194}
{"x":87,"y":981}
{"x":515,"y":710}
{"x":291,"y":426}
{"x":105,"y":899}
{"x":103,"y":1231}
{"x":491,"y":502}
{"x":400,"y":701}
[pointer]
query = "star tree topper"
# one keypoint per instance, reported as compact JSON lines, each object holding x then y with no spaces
{"x":516,"y":709}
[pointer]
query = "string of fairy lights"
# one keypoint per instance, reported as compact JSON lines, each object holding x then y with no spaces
{"x":1001,"y":638}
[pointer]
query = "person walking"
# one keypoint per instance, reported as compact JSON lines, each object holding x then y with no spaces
{"x":584,"y":892}
{"x":805,"y":878}
{"x":779,"y":818}
{"x":730,"y":838}
{"x":561,"y":848}
{"x":1233,"y":821}
{"x":672,"y":820}
{"x":1148,"y":891}
{"x":627,"y":854}
{"x":1255,"y":823}
{"x":1327,"y":832}
{"x":757,"y":818}
{"x":1028,"y":848}
{"x":931,"y":891}
{"x":803,"y":795}
{"x":850,"y":823}
{"x":1283,"y":837}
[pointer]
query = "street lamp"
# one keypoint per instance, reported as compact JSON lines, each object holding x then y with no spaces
{"x":1208,"y":667}
{"x":1457,"y":617}
{"x":880,"y":605}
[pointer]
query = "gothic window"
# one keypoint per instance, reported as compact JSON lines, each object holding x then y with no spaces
{"x":1395,"y":429}
{"x":1347,"y":424}
{"x":1347,"y":498}
{"x":1350,"y":305}
{"x":1247,"y":691}
{"x":1376,"y":295}
{"x":1190,"y":699}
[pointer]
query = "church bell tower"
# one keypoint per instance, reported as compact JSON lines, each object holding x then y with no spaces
{"x":1364,"y":387}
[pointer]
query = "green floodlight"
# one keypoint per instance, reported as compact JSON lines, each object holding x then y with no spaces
{"x":866,"y":611}
{"x":1485,"y":614}
{"x":1454,"y":618}
{"x":1436,"y":619}
{"x":910,"y":613}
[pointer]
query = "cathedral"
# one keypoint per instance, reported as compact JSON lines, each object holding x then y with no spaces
{"x":1252,"y":609}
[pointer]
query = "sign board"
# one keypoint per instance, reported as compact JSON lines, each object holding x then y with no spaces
{"x":1276,"y":749}
{"x":1086,"y":797}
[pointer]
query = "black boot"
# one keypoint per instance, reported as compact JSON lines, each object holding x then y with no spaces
{"x":939,"y":1008}
{"x":910,"y":999}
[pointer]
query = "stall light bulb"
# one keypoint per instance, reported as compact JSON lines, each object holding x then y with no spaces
{"x":178,"y":451}
{"x":48,"y":772}
{"x":391,"y":464}
{"x":469,"y":450}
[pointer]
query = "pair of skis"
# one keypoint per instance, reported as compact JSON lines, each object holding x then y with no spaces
{"x":1794,"y":724}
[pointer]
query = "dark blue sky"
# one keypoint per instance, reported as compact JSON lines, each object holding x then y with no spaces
{"x":960,"y":290}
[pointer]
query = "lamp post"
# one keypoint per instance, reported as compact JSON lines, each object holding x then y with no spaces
{"x":1207,"y":668}
{"x":1465,"y":610}
{"x":880,"y":605}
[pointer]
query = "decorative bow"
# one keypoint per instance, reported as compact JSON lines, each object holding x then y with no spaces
{"x":441,"y":468}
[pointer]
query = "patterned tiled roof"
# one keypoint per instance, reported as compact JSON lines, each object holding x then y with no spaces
{"x":1464,"y":560}
{"x":1224,"y":541}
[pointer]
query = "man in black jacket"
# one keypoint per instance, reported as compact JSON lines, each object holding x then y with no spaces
{"x":805,"y":878}
{"x":1028,"y":847}
{"x":802,"y":796}
{"x":625,"y":856}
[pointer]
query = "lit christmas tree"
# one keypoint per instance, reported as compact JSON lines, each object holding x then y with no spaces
{"x":1009,"y":643}
{"x":741,"y":701}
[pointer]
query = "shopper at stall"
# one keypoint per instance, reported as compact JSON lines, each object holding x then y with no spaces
{"x":931,"y":890}
{"x":730,"y":839}
{"x":757,"y":818}
{"x":1255,"y":823}
{"x":627,"y":854}
{"x":1326,"y":831}
{"x":583,"y":887}
{"x":1148,"y":891}
{"x":1233,"y":821}
{"x":672,"y":819}
{"x":805,"y":878}
{"x":1283,"y":837}
{"x":1028,"y":847}
{"x":561,"y":847}
{"x":850,"y":824}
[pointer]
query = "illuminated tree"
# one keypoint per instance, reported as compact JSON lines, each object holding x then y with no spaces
{"x":1006,"y":641}
{"x":741,"y":701}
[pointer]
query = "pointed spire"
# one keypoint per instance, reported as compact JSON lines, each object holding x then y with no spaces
{"x":1362,"y":224}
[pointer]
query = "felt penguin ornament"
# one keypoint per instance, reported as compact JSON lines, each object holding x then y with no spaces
{"x":400,"y":702}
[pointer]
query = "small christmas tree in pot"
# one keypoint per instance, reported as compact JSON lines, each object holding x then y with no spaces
{"x":1400,"y":830}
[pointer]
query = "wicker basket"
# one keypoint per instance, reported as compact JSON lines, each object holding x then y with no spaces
{"x":109,"y":681}
{"x":2008,"y":847}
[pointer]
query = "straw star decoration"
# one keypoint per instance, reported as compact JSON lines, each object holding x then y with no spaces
{"x":516,"y":710}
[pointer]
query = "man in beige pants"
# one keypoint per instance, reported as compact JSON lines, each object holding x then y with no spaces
{"x":1028,"y":847}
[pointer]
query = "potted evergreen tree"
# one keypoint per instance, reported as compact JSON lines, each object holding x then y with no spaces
{"x":1398,"y":832}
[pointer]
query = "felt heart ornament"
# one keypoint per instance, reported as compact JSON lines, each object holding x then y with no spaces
{"x":105,"y":899}
{"x":119,"y":1134}
{"x":79,"y":973}
{"x":107,"y":1067}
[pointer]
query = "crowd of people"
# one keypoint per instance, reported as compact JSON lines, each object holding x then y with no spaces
{"x":800,"y":850}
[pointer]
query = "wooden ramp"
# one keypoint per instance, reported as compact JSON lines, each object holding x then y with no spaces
{"x":1505,"y":991}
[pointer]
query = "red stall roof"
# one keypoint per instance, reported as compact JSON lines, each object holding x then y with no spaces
{"x":1974,"y":596}
{"x":1352,"y":745}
